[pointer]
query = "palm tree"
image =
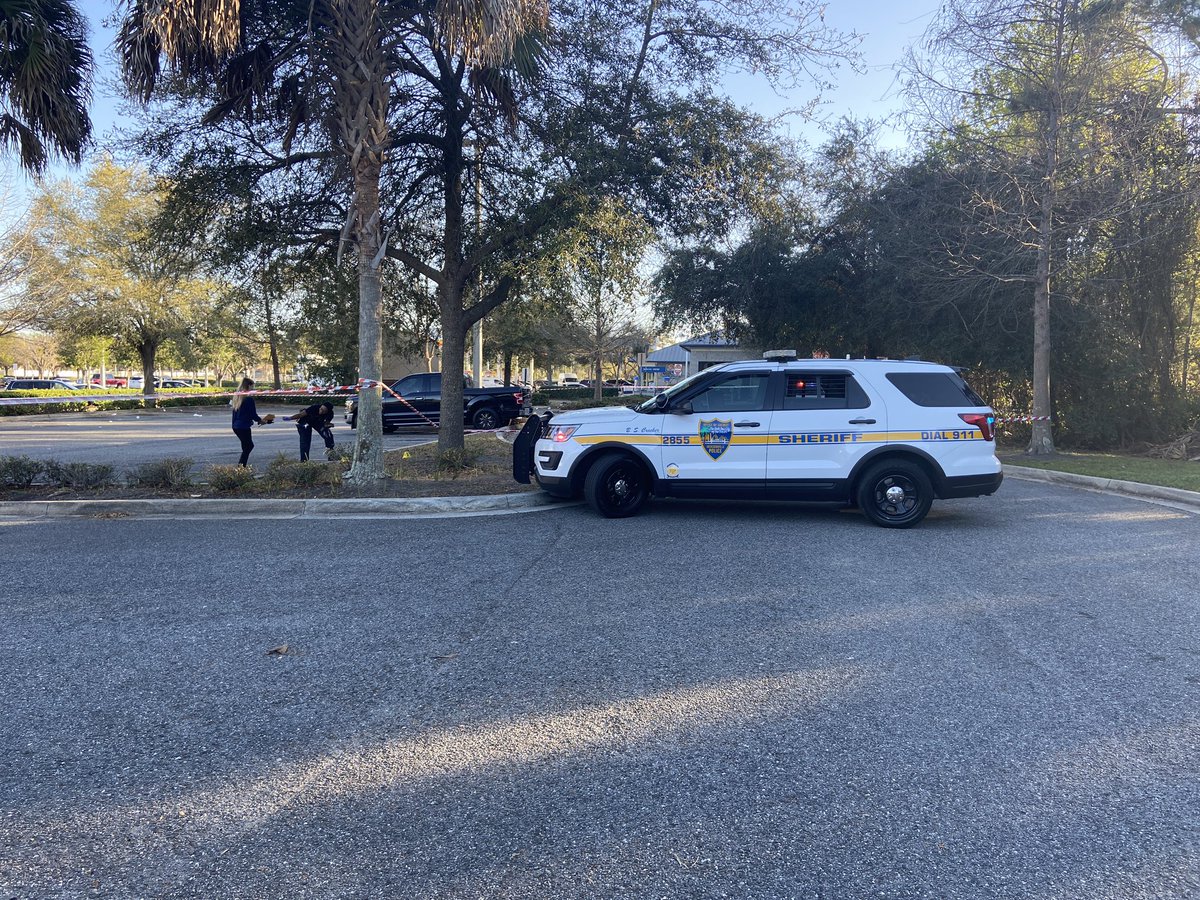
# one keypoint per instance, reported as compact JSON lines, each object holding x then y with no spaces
{"x":45,"y":77}
{"x":350,"y":43}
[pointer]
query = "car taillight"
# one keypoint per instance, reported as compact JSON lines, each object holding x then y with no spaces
{"x":985,"y":422}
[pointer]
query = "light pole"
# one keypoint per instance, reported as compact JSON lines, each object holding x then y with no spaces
{"x":477,"y":329}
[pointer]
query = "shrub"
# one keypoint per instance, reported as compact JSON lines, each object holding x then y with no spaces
{"x":283,"y":473}
{"x":80,"y":474}
{"x":164,"y":473}
{"x":228,"y":478}
{"x":457,"y":462}
{"x":20,"y":471}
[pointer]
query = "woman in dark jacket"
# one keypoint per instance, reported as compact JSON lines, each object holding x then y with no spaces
{"x":318,"y":418}
{"x":245,"y":415}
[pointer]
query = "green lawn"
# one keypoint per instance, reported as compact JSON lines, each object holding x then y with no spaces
{"x":1176,"y":473}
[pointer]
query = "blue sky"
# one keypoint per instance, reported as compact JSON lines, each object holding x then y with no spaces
{"x":887,"y":28}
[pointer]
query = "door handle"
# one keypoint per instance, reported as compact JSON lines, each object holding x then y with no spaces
{"x":862,"y":421}
{"x":745,"y":424}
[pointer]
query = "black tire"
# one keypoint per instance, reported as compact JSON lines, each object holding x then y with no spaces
{"x":895,"y":493}
{"x":485,"y":418}
{"x":616,"y":486}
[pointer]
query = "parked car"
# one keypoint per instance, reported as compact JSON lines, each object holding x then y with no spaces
{"x":38,"y":384}
{"x":886,"y":436}
{"x":483,"y":408}
{"x":171,"y":383}
{"x":111,"y":381}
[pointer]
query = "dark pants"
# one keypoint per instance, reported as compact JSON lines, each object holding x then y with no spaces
{"x":243,"y":435}
{"x":306,"y":433}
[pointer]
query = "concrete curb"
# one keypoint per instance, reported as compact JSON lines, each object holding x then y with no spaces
{"x":1157,"y":492}
{"x":458,"y":506}
{"x":278,"y":509}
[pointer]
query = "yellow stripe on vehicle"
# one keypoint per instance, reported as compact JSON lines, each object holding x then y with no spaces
{"x":952,"y":434}
{"x":797,"y":438}
{"x":619,"y":438}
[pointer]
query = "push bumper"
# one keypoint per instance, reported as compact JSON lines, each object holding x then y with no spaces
{"x":970,"y":486}
{"x":555,"y":486}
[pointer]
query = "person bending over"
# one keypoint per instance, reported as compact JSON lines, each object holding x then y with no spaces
{"x":318,"y":418}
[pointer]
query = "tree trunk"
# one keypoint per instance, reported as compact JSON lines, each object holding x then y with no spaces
{"x":368,"y":462}
{"x":272,"y":341}
{"x":148,"y":350}
{"x":452,"y":290}
{"x":508,"y":361}
{"x":362,"y":97}
{"x":1187,"y":341}
{"x":1041,"y":440}
{"x":454,"y":345}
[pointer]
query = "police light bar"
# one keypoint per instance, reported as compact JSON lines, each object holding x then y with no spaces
{"x":780,"y":355}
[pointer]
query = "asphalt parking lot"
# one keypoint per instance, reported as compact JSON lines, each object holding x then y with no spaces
{"x":709,"y":700}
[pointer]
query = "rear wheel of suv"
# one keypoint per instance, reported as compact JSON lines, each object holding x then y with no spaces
{"x":895,"y":493}
{"x":616,"y":486}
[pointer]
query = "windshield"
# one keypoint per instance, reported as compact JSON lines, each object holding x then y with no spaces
{"x":651,"y":406}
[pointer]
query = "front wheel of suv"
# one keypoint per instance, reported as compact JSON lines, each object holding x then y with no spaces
{"x":616,"y":486}
{"x":895,"y":493}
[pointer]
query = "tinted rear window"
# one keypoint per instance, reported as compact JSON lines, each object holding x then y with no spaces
{"x":823,"y":390}
{"x":935,"y":389}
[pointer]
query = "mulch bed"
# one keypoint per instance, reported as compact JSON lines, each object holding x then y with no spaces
{"x":489,"y":472}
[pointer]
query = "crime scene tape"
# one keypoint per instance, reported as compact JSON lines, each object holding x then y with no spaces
{"x":1000,"y":419}
{"x":84,"y":396}
{"x":338,"y":391}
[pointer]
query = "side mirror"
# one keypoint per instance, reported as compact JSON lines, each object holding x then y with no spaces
{"x":660,"y":402}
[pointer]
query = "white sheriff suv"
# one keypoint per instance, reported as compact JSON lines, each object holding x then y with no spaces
{"x":885,"y":435}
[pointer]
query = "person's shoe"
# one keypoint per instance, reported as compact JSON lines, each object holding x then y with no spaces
{"x":331,"y":453}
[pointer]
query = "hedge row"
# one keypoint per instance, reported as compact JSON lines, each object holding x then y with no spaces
{"x":170,"y":474}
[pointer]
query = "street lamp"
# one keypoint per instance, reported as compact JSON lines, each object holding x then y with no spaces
{"x":479,"y":145}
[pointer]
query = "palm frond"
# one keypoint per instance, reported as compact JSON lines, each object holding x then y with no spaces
{"x":185,"y":27}
{"x":495,"y":86}
{"x":140,"y":50}
{"x":14,"y":133}
{"x":191,"y":35}
{"x":248,"y":78}
{"x":45,"y":76}
{"x":484,"y":32}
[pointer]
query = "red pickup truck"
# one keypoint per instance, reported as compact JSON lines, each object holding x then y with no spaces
{"x":111,"y":381}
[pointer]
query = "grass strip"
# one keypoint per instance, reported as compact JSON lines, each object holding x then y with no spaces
{"x":1174,"y":473}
